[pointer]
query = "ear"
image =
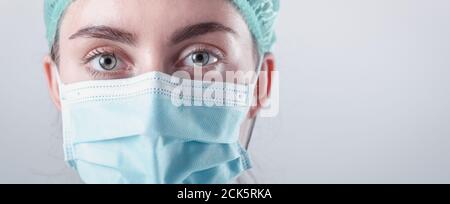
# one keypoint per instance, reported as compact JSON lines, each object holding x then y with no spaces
{"x":264,"y":85}
{"x":49,"y":67}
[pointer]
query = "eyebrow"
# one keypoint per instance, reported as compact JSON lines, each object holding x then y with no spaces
{"x":106,"y":32}
{"x":198,"y":30}
{"x":118,"y":35}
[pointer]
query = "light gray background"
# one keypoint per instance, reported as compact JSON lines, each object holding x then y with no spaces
{"x":365,"y":98}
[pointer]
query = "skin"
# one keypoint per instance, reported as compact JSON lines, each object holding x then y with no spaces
{"x":153,"y":38}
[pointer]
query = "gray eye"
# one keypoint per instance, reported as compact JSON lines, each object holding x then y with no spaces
{"x":108,"y":62}
{"x":200,"y":58}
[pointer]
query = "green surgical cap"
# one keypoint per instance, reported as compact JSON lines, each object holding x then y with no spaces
{"x":260,"y":16}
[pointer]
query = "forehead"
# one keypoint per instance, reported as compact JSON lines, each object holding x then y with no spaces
{"x":158,"y":18}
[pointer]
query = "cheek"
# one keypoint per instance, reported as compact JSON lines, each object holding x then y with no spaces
{"x":241,"y":55}
{"x":243,"y":59}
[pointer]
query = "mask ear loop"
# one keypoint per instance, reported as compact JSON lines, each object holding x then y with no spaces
{"x":57,"y":76}
{"x":56,"y":73}
{"x":258,"y":71}
{"x":253,"y":86}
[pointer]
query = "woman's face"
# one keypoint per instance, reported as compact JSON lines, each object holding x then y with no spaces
{"x":112,"y":39}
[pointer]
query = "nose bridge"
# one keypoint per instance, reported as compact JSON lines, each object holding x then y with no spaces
{"x":153,"y":59}
{"x":156,"y":53}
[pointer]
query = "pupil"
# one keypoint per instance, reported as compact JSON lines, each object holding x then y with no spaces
{"x":108,"y":62}
{"x":200,"y":58}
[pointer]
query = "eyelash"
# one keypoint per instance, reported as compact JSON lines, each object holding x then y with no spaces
{"x":111,"y":51}
{"x":96,"y":53}
{"x":219,"y":54}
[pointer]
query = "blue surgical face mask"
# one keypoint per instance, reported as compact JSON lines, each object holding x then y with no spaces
{"x":136,"y":130}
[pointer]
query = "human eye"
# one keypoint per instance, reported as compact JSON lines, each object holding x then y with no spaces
{"x":108,"y":63}
{"x":200,"y":56}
